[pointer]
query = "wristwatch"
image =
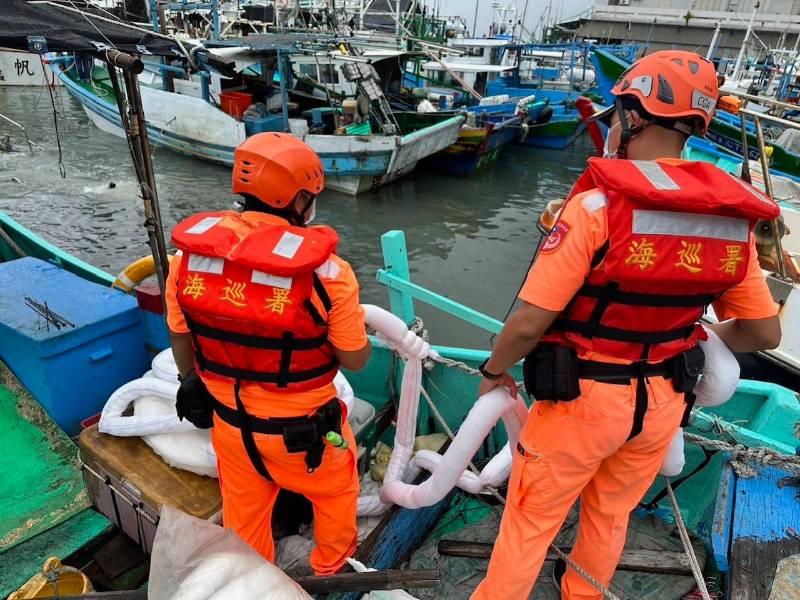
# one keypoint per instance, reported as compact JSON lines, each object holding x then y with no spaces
{"x":488,"y":374}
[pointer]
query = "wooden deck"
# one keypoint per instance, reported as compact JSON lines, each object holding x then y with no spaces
{"x":757,"y":523}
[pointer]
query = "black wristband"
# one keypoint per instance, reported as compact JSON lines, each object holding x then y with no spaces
{"x":488,"y":374}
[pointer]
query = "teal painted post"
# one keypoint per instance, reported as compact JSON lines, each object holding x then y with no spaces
{"x":395,"y":261}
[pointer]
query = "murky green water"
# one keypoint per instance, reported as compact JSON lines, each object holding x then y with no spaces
{"x":469,"y":239}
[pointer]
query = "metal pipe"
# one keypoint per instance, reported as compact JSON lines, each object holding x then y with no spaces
{"x":742,"y":50}
{"x":766,"y":117}
{"x":152,"y":208}
{"x":745,"y":150}
{"x":760,"y":99}
{"x":768,"y":190}
{"x":713,"y":45}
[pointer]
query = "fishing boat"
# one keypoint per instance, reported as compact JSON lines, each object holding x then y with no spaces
{"x":482,"y":139}
{"x":760,"y":414}
{"x":354,"y":161}
{"x":725,"y":131}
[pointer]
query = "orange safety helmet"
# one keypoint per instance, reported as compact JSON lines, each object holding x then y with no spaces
{"x":673,"y":85}
{"x":275,"y":167}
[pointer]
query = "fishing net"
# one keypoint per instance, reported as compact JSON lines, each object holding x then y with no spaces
{"x":469,"y":519}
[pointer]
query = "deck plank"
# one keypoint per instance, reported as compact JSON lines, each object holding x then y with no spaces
{"x":765,"y":518}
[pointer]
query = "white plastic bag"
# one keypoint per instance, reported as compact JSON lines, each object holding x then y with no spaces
{"x":360,"y":567}
{"x":196,"y":560}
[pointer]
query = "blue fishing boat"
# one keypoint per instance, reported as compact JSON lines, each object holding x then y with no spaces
{"x":487,"y":131}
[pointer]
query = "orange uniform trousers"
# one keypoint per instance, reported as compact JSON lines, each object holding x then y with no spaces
{"x":248,"y":498}
{"x":579,"y":449}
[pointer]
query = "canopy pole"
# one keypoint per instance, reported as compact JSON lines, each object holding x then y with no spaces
{"x":135,"y":126}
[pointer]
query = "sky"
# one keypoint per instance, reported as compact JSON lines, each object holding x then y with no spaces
{"x":466,"y":8}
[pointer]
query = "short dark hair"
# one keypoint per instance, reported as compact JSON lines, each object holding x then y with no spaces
{"x":251,"y":203}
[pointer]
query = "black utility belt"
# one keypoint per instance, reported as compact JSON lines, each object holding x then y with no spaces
{"x":299,"y":433}
{"x":553,"y":372}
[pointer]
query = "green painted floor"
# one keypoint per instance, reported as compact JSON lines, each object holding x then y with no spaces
{"x":43,"y":504}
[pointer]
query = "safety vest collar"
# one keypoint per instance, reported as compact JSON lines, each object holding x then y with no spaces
{"x":687,"y":186}
{"x":274,"y":249}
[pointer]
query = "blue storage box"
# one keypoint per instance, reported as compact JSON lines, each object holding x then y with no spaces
{"x":253,"y":125}
{"x":73,"y":370}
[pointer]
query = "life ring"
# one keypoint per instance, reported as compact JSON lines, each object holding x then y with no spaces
{"x":135,"y":273}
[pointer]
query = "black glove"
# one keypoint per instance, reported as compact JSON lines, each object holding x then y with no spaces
{"x":194,"y":402}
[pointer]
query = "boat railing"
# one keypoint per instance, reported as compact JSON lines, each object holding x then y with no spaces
{"x":758,"y":117}
{"x":761,"y":99}
{"x":396,"y":276}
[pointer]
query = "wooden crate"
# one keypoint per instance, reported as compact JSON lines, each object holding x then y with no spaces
{"x":129,"y":483}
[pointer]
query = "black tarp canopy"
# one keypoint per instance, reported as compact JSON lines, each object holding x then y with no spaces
{"x":66,"y":30}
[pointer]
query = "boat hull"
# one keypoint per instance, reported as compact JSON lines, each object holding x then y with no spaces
{"x":728,"y":135}
{"x":557,"y":134}
{"x":476,"y":149}
{"x":191,"y":127}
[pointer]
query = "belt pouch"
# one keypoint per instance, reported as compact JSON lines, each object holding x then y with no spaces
{"x":299,"y":437}
{"x":687,"y":369}
{"x":551,"y":373}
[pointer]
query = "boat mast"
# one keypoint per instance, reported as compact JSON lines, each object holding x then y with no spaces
{"x":712,"y":47}
{"x":743,"y":49}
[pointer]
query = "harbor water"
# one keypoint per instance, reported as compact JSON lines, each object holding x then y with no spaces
{"x":470,"y":239}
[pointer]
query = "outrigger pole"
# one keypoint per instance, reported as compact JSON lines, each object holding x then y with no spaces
{"x":133,"y":122}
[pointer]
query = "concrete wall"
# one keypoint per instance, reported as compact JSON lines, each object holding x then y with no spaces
{"x":738,"y":6}
{"x":667,"y":37}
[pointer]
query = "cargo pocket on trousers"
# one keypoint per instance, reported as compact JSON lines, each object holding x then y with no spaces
{"x":531,"y":483}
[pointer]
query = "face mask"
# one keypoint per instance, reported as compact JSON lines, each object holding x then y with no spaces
{"x":311,"y":212}
{"x":606,"y":150}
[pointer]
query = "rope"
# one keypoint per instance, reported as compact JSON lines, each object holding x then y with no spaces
{"x":742,"y":458}
{"x":418,"y":328}
{"x":608,"y":594}
{"x":687,"y":543}
{"x":62,"y":169}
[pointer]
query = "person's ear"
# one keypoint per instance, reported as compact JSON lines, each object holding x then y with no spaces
{"x":635,"y":120}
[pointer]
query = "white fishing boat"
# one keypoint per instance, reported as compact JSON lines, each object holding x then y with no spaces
{"x":355,"y":158}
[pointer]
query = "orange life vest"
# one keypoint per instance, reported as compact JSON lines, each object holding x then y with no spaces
{"x":678,"y":238}
{"x":246,"y":290}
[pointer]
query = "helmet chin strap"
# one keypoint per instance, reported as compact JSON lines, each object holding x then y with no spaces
{"x":627,"y":133}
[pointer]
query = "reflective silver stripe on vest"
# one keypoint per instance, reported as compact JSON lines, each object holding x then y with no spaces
{"x":655,"y":175}
{"x":690,"y":224}
{"x":206,"y":264}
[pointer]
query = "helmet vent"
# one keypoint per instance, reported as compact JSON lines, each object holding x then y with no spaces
{"x":244,"y":180}
{"x":693,"y":67}
{"x":626,"y":84}
{"x":665,"y":91}
{"x":246,"y":172}
{"x":678,"y":61}
{"x":247,"y":162}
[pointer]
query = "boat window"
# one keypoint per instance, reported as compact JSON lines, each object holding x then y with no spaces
{"x":328,"y":74}
{"x":308,"y":69}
